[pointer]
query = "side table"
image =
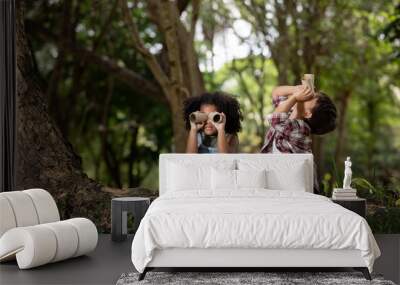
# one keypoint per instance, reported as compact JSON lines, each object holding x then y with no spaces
{"x":357,"y":205}
{"x":120,"y":207}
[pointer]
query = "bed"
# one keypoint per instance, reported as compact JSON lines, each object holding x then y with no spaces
{"x":247,"y":210}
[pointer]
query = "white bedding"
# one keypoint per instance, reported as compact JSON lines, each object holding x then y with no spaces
{"x":253,"y":218}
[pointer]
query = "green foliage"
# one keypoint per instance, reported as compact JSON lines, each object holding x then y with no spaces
{"x":383,"y":198}
{"x":326,"y":185}
{"x":251,"y":79}
{"x":387,"y":195}
{"x":118,"y":133}
{"x":385,"y":221}
{"x":391,"y":32}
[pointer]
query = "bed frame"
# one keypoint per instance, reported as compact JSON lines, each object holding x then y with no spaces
{"x":249,"y":258}
{"x":245,"y":259}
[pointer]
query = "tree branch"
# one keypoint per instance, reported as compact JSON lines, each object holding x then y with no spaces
{"x":195,"y":16}
{"x":192,"y":76}
{"x":242,"y":81}
{"x":138,"y":45}
{"x":141,"y":85}
{"x":105,"y":27}
{"x":182,"y":5}
{"x":169,"y":17}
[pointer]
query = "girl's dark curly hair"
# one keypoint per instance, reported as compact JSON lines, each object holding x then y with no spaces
{"x":223,"y":102}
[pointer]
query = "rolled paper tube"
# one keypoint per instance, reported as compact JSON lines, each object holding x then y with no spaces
{"x":198,"y":117}
{"x":307,"y":83}
{"x":308,"y":79}
{"x":216,"y":117}
{"x":308,"y":76}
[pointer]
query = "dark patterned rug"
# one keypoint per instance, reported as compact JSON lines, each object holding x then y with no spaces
{"x":230,"y":278}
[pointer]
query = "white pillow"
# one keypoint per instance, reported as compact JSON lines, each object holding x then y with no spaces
{"x":183,"y":177}
{"x":281,"y":175}
{"x":186,"y":175}
{"x":295,"y":180}
{"x":223,"y":179}
{"x":251,"y":178}
{"x":230,"y":180}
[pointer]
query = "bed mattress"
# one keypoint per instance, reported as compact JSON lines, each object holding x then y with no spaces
{"x":251,"y":219}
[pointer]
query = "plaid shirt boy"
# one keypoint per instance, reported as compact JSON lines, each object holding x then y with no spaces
{"x":290,"y":135}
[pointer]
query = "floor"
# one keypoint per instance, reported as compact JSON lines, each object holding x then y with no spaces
{"x":389,"y":262}
{"x":111,"y":259}
{"x":103,"y":266}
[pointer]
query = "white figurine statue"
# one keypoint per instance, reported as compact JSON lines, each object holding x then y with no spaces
{"x":347,"y":174}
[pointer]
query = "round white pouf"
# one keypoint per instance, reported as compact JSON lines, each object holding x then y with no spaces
{"x":23,"y":208}
{"x":87,"y":234}
{"x":40,"y":244}
{"x":31,"y":231}
{"x":7,"y":218}
{"x":67,"y":240}
{"x":33,"y":246}
{"x":45,"y":205}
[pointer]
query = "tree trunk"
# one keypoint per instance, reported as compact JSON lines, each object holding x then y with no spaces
{"x":45,"y":159}
{"x":343,"y":103}
{"x":184,"y":78}
{"x":178,"y":125}
{"x":192,"y":76}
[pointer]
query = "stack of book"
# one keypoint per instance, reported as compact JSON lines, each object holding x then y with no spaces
{"x":344,"y":194}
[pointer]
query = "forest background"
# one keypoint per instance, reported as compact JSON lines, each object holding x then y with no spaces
{"x":101,"y":85}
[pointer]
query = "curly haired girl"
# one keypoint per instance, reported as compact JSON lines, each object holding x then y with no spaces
{"x":209,"y":136}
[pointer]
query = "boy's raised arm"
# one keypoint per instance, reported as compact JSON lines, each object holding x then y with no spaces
{"x":284,"y":90}
{"x":285,"y":106}
{"x":302,"y":94}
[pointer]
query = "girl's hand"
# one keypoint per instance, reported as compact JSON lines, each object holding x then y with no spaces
{"x":304,"y":94}
{"x":196,"y":127}
{"x":220,"y":126}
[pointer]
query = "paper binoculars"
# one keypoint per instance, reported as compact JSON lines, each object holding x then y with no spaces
{"x":200,"y":117}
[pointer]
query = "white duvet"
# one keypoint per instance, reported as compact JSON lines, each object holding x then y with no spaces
{"x":250,"y":219}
